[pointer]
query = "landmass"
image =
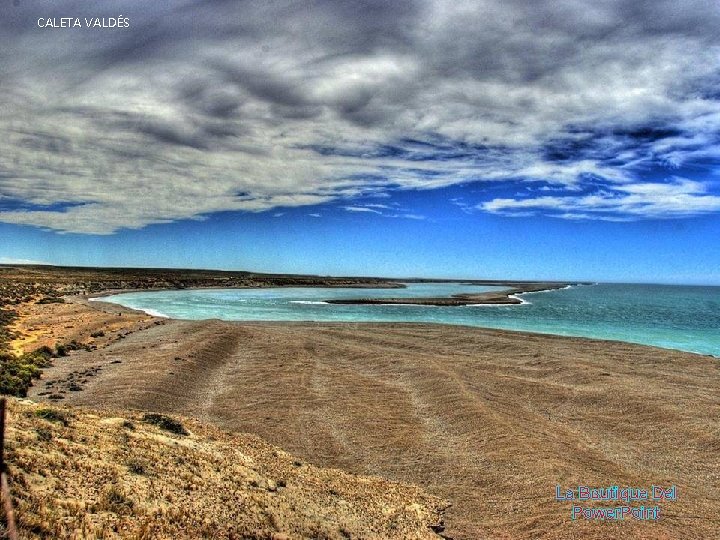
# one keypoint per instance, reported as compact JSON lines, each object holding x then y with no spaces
{"x":490,"y":421}
{"x":507,"y":296}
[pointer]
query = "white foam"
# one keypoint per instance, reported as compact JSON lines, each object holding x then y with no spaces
{"x":547,"y":290}
{"x":513,"y":296}
{"x":155,"y":313}
{"x":517,"y":296}
{"x":151,"y":312}
{"x":312,"y":302}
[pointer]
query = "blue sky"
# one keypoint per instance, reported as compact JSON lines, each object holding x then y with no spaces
{"x":445,"y":242}
{"x":544,"y":140}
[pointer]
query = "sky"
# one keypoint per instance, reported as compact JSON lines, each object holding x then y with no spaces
{"x":507,"y":139}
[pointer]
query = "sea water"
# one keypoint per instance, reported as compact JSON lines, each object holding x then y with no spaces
{"x":676,"y":317}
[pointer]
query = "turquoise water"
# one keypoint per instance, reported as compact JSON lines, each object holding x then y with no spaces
{"x":675,"y":317}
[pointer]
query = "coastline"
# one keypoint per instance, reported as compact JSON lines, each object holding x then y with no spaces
{"x":165,"y":317}
{"x":113,"y":292}
{"x":506,"y":297}
{"x":509,"y":296}
{"x":490,"y":420}
{"x":482,"y":418}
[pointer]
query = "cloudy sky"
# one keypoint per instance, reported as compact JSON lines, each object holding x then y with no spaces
{"x":500,"y":137}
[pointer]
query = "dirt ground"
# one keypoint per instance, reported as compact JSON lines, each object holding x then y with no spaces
{"x":490,"y":420}
{"x":82,"y":474}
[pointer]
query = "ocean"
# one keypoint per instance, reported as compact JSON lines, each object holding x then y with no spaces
{"x":675,"y":317}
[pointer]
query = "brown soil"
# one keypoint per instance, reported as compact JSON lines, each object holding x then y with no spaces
{"x":51,"y":324}
{"x":490,"y":420}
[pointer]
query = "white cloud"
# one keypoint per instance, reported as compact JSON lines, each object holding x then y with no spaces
{"x":361,"y":209}
{"x":680,"y":198}
{"x":406,"y":216}
{"x":11,"y":260}
{"x":194,"y":111}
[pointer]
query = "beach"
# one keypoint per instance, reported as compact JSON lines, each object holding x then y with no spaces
{"x":376,"y":270}
{"x":492,"y":421}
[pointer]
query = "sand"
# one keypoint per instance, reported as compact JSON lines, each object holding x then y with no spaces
{"x":490,"y":420}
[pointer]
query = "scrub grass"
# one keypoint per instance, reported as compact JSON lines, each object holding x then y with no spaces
{"x":77,"y":473}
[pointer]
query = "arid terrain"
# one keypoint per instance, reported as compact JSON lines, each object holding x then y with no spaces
{"x":87,"y":474}
{"x":490,"y":421}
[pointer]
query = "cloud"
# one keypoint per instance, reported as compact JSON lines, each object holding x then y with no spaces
{"x":406,"y":216}
{"x":224,"y":106}
{"x":11,"y":260}
{"x":361,"y":209}
{"x":389,"y":211}
{"x":681,"y":198}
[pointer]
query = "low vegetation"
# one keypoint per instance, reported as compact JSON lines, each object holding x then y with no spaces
{"x":7,"y":318}
{"x":76,"y":473}
{"x":53,"y":415}
{"x":165,"y":422}
{"x":63,"y":349}
{"x":51,"y":300}
{"x":17,"y":372}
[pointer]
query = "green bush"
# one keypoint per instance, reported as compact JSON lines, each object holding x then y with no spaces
{"x":62,"y":349}
{"x":53,"y":415}
{"x":165,"y":422}
{"x":51,"y":300}
{"x":46,"y":351}
{"x":116,"y":501}
{"x":18,"y":371}
{"x":136,"y":466}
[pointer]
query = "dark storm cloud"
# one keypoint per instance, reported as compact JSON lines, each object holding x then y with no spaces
{"x":296,"y":103}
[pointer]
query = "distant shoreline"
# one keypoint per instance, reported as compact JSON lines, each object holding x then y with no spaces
{"x":506,"y":297}
{"x":490,"y":298}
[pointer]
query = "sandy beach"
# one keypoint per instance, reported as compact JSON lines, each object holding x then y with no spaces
{"x":370,"y":270}
{"x":490,"y":420}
